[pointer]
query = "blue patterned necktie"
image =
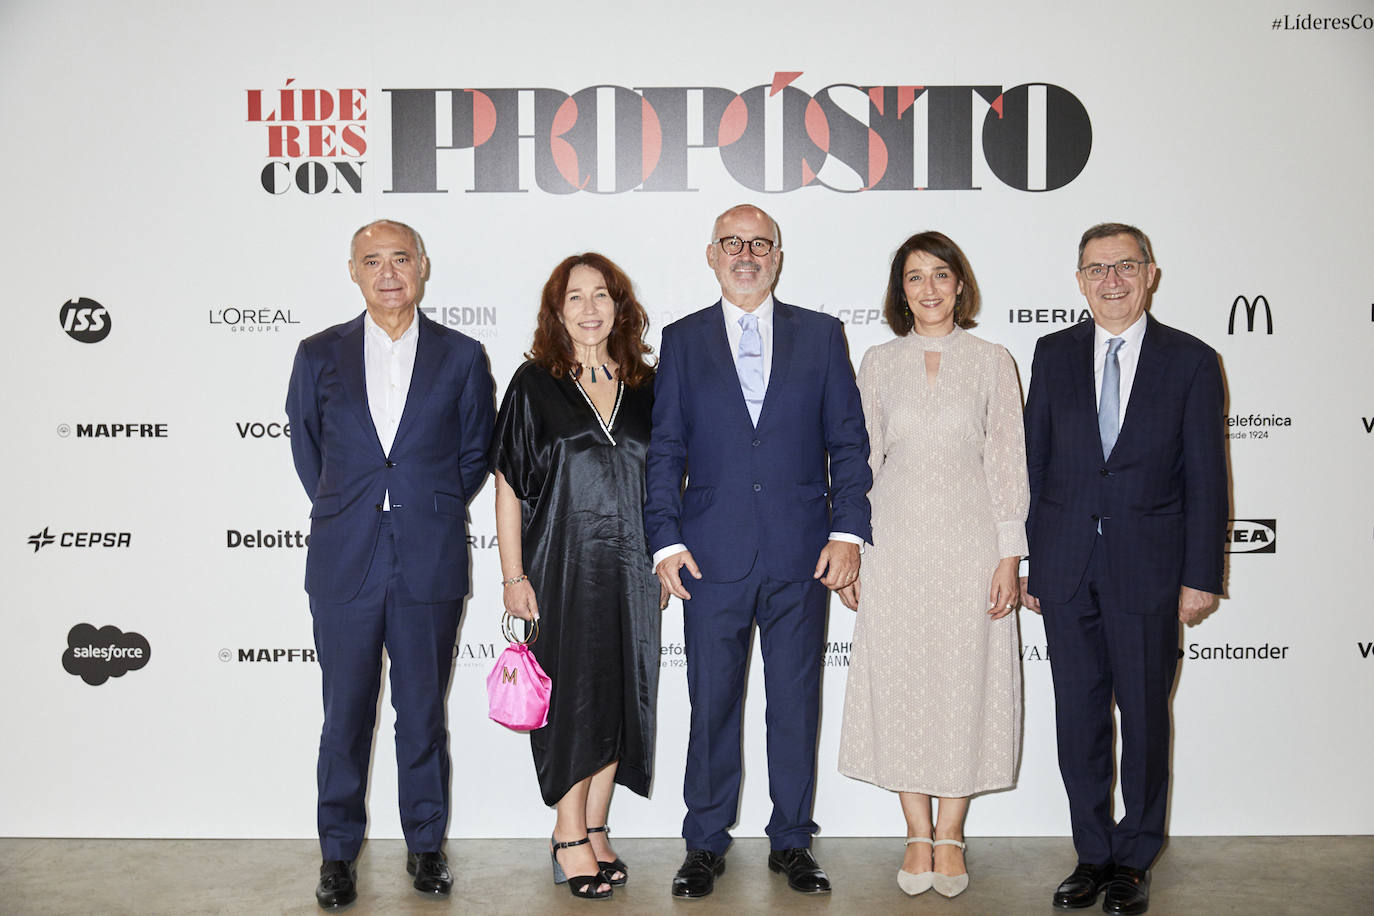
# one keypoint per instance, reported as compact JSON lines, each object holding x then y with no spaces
{"x":749,"y":364}
{"x":1109,"y":407}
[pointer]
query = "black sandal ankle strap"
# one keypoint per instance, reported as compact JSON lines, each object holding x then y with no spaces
{"x":606,"y":830}
{"x":569,"y":845}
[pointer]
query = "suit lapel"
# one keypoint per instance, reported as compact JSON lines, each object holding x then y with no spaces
{"x":718,"y":346}
{"x":784,"y":344}
{"x":354,"y":376}
{"x":1084,"y":380}
{"x":429,"y":356}
{"x":1149,"y":376}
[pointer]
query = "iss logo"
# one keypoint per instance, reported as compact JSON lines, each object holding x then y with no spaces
{"x":1252,"y":535}
{"x":1251,"y":307}
{"x":95,"y":656}
{"x":85,"y":320}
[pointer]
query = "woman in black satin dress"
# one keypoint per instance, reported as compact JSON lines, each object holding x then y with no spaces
{"x":569,"y":451}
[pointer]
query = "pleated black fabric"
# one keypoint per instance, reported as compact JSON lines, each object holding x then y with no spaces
{"x":582,"y":524}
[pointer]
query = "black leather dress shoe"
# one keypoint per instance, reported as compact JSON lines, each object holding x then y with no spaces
{"x":697,"y":876}
{"x":803,"y":873}
{"x":432,"y":877}
{"x":1128,"y":893}
{"x":1081,"y":888}
{"x":338,"y":886}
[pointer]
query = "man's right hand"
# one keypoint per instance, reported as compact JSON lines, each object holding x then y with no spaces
{"x":1027,"y":599}
{"x":669,"y":571}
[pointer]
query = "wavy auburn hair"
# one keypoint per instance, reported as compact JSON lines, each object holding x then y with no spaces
{"x":552,"y":348}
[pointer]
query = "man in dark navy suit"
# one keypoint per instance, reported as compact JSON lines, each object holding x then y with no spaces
{"x":391,"y":415}
{"x":1124,"y":438}
{"x":753,"y":400}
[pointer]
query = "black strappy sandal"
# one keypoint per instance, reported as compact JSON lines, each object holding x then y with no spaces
{"x":610,"y":868}
{"x":580,"y":886}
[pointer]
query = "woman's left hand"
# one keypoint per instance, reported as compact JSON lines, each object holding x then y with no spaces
{"x":1005,"y":593}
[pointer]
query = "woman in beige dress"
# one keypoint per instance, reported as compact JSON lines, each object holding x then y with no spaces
{"x":933,"y":702}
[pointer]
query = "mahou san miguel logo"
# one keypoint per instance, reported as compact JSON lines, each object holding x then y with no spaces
{"x":774,"y":137}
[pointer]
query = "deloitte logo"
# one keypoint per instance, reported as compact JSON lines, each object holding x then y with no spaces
{"x":84,"y":320}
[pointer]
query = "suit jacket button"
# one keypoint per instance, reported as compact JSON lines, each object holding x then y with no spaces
{"x":756,"y":443}
{"x":758,"y":487}
{"x":392,"y":464}
{"x":1105,"y":473}
{"x":1096,"y":519}
{"x":378,"y":507}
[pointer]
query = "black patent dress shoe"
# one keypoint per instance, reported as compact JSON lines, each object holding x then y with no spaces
{"x":432,"y":877}
{"x":338,"y":887}
{"x":803,"y":873}
{"x":1081,"y":888}
{"x":697,"y":876}
{"x":1128,"y":893}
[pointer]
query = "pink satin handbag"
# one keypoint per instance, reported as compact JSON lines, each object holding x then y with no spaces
{"x":517,"y":688}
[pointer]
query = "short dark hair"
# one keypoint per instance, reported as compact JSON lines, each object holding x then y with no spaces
{"x":937,"y":245}
{"x":1106,"y":231}
{"x":552,"y":348}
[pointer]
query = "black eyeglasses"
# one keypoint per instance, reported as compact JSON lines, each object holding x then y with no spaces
{"x":1124,"y":269}
{"x":733,"y":244}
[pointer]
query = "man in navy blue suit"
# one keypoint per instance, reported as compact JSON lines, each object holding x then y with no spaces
{"x":753,"y":398}
{"x":391,"y":415}
{"x":1124,"y":438}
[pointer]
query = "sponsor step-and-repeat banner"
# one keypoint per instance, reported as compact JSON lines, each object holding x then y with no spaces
{"x":178,"y":216}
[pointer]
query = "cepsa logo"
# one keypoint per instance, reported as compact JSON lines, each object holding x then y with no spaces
{"x":608,"y":139}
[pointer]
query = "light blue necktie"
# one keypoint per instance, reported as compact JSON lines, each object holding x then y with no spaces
{"x":1109,"y":407}
{"x":749,"y":364}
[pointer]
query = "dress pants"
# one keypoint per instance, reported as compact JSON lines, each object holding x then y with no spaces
{"x":718,"y":625}
{"x":1097,"y":652}
{"x":419,"y":639}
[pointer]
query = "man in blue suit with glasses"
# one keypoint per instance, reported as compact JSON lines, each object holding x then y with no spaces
{"x":755,"y":402}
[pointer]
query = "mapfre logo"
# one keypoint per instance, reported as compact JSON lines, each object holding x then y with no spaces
{"x":1252,"y":535}
{"x":85,"y":320}
{"x":607,"y":139}
{"x":95,"y":656}
{"x":1250,"y":308}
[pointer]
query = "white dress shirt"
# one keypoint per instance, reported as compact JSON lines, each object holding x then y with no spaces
{"x":733,"y":333}
{"x":1128,"y":356}
{"x":388,"y":366}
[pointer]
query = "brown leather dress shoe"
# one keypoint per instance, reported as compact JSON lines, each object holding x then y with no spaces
{"x":1081,"y":888}
{"x":338,"y":886}
{"x":1128,"y":893}
{"x":430,"y":869}
{"x":804,"y":875}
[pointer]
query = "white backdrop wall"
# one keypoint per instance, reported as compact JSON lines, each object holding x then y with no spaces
{"x":136,"y":139}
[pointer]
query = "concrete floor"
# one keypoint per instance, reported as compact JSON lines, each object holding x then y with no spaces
{"x":1195,"y":875}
